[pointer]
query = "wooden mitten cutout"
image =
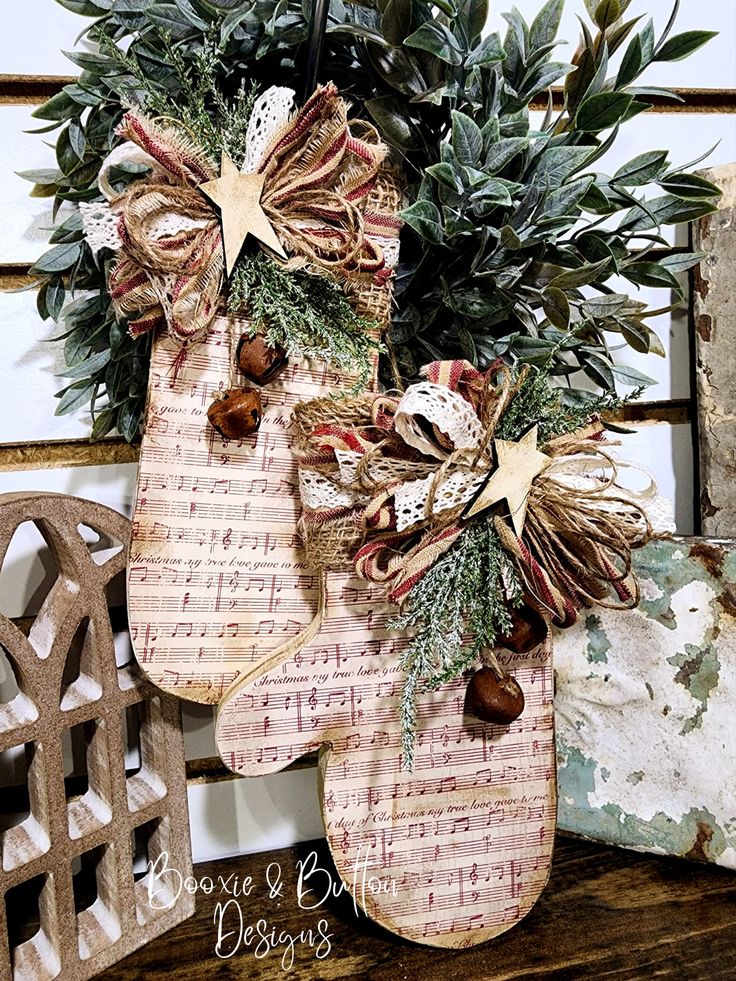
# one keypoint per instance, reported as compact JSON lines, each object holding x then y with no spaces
{"x":216,"y":578}
{"x":455,"y":852}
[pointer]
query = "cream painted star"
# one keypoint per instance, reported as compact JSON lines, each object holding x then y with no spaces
{"x":238,"y":196}
{"x":518,"y":465}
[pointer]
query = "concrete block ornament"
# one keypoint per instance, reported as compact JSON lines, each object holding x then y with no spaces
{"x":362,"y":548}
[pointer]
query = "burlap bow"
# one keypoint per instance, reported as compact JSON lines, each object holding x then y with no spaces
{"x":386,"y":482}
{"x":319,"y":171}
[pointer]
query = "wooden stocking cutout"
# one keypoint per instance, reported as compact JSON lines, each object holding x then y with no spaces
{"x":460,"y":849}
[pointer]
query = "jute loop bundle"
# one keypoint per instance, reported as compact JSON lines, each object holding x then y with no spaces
{"x":581,"y":528}
{"x":326,"y":193}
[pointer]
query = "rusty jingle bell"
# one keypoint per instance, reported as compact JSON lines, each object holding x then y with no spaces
{"x":258,"y":360}
{"x":528,"y":630}
{"x":236,"y":413}
{"x":491,"y":698}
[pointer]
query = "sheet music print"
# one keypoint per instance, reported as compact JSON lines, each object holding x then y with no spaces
{"x":215,"y":578}
{"x":467,"y":837}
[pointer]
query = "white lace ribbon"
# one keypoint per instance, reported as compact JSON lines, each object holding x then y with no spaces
{"x":449,"y":413}
{"x":271,"y":112}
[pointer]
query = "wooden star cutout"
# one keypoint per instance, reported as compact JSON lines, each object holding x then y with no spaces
{"x":518,"y":465}
{"x":238,"y":196}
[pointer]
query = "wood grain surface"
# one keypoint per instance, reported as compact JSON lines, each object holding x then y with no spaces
{"x":607,"y":914}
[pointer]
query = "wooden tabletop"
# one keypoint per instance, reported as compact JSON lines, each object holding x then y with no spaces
{"x":606,"y":914}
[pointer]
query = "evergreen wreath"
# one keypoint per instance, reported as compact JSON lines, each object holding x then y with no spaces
{"x":511,"y":236}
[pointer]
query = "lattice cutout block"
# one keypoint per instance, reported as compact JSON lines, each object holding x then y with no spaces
{"x":92,"y":760}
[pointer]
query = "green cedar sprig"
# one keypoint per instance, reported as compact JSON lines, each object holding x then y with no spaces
{"x":468,"y":593}
{"x":309,"y":316}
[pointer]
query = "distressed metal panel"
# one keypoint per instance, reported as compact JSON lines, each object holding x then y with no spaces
{"x":714,"y":309}
{"x":646,"y":709}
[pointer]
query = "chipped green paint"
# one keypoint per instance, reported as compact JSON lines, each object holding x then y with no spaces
{"x":598,"y":643}
{"x":699,"y":673}
{"x":645,"y":706}
{"x":671,"y":565}
{"x":696,"y":835}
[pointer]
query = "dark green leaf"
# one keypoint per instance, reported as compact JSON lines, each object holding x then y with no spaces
{"x":474,"y":14}
{"x":631,"y":377}
{"x":682,"y":45}
{"x":635,"y":333}
{"x":602,"y":111}
{"x":89,"y":61}
{"x":682,"y":261}
{"x":58,"y":259}
{"x":689,"y":186}
{"x":501,"y":153}
{"x":438,"y":40}
{"x":55,"y":294}
{"x":392,"y":122}
{"x":607,"y":13}
{"x":444,"y":173}
{"x":129,"y":420}
{"x":77,"y":347}
{"x":103,"y":424}
{"x":651,"y":274}
{"x":396,"y":20}
{"x":39,"y":176}
{"x":557,"y":163}
{"x":84,"y":7}
{"x":425,"y":219}
{"x":641,"y":170}
{"x":573,"y":278}
{"x":646,"y":37}
{"x":604,"y":306}
{"x":617,"y":35}
{"x":490,"y":50}
{"x":542,"y":78}
{"x":639,"y":90}
{"x":70,"y":230}
{"x":509,"y":238}
{"x":597,"y":202}
{"x":666,"y":210}
{"x":467,"y":141}
{"x":87,"y":368}
{"x":76,"y":138}
{"x":546,"y":24}
{"x":557,"y":307}
{"x":599,"y":370}
{"x":565,"y":201}
{"x":74,"y":396}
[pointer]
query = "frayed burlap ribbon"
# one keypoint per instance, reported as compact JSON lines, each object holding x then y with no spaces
{"x":321,"y":172}
{"x":358,"y":458}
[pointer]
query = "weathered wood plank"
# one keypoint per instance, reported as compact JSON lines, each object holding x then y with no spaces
{"x":714,"y":315}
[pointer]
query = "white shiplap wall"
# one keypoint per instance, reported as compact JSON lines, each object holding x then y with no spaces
{"x":237,"y":816}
